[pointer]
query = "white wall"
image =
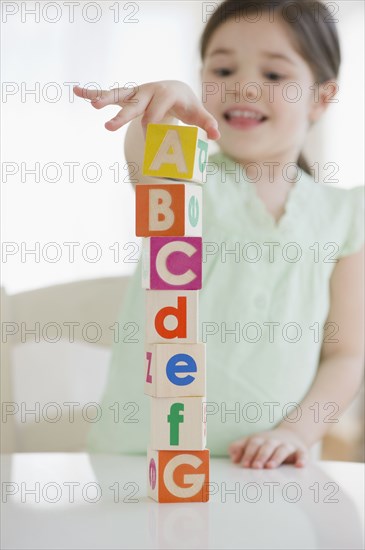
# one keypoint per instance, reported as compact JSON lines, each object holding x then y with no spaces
{"x":162,"y":43}
{"x":337,"y":143}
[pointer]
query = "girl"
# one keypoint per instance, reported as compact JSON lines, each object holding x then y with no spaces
{"x":280,"y":308}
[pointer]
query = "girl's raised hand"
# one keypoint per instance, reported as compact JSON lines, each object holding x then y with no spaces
{"x":154,"y":101}
{"x":269,"y":449}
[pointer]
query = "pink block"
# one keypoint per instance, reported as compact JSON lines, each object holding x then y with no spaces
{"x":176,"y":263}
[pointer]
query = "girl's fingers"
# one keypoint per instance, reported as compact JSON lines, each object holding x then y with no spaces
{"x":128,"y":113}
{"x":205,"y":120}
{"x":198,"y":116}
{"x":85,"y":93}
{"x":162,"y":102}
{"x":250,"y":451}
{"x":282,"y":452}
{"x":264,"y":453}
{"x":301,"y":458}
{"x":236,"y":449}
{"x":101,"y":98}
{"x":157,"y":108}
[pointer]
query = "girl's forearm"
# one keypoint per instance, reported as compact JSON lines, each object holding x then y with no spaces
{"x":337,"y":381}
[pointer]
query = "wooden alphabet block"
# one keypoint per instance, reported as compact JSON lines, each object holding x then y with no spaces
{"x":178,"y":423}
{"x":172,"y":263}
{"x":171,"y":316}
{"x":168,"y":209}
{"x":178,"y":476}
{"x":175,"y":151}
{"x":175,"y":370}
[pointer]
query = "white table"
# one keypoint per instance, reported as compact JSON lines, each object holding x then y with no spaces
{"x":99,"y":501}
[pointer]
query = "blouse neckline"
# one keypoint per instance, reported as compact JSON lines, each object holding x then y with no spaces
{"x":295,"y":202}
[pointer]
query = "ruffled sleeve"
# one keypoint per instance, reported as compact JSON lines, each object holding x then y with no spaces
{"x":355,"y":234}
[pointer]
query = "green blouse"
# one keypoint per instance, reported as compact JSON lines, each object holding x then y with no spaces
{"x":262,"y":310}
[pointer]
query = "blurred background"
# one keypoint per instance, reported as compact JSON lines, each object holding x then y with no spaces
{"x":67,"y":211}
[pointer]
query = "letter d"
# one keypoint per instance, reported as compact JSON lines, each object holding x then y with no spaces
{"x":180,"y":313}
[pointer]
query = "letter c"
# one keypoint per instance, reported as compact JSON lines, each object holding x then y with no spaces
{"x":161,"y":259}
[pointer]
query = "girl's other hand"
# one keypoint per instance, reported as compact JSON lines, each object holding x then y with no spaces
{"x":269,"y":450}
{"x":154,"y":101}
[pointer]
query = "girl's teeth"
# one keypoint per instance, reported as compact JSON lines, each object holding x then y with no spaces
{"x":244,"y":114}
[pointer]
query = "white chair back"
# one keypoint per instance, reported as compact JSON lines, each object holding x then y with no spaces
{"x":56,"y":347}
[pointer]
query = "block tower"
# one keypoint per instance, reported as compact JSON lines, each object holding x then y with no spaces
{"x":169,"y":218}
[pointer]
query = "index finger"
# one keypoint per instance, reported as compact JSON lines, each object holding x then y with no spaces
{"x":301,"y":458}
{"x":100,"y":98}
{"x":206,"y":121}
{"x":88,"y":93}
{"x":202,"y":118}
{"x":236,"y":449}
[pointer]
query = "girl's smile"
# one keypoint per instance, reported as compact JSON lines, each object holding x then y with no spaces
{"x":243,"y":117}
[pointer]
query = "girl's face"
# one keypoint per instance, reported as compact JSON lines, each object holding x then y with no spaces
{"x":258,"y":87}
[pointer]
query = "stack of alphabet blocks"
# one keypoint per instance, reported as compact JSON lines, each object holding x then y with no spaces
{"x":169,"y":218}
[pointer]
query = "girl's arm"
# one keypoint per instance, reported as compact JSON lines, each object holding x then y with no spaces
{"x":340,"y":371}
{"x":337,"y":381}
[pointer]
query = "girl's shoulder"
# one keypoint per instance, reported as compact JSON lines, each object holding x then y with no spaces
{"x":336,"y":195}
{"x":339,"y":208}
{"x":333,"y":199}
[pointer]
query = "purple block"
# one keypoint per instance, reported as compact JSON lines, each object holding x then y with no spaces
{"x":176,"y":263}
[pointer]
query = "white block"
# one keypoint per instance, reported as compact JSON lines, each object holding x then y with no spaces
{"x":178,"y":423}
{"x":201,"y":158}
{"x":193,"y":210}
{"x":171,"y":316}
{"x":175,"y":370}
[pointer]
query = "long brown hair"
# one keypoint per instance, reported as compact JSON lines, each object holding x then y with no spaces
{"x":313,"y":26}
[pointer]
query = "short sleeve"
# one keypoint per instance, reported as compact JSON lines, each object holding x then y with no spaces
{"x":355,"y":236}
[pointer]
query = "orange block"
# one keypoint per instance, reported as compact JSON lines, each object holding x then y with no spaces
{"x":178,"y":476}
{"x":168,"y":210}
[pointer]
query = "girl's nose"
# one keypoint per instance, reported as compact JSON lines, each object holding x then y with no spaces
{"x":248,"y":86}
{"x":250,"y":92}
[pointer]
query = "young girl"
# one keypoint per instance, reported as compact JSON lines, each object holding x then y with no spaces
{"x":280,"y":309}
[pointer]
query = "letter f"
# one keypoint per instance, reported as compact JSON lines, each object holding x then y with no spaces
{"x":174,"y":419}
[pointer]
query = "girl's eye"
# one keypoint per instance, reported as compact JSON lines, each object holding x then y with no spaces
{"x":222,"y":72}
{"x":274,"y":76}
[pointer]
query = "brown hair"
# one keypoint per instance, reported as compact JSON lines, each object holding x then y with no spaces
{"x":311,"y":22}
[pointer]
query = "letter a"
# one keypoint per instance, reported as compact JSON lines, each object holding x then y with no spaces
{"x":163,"y":156}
